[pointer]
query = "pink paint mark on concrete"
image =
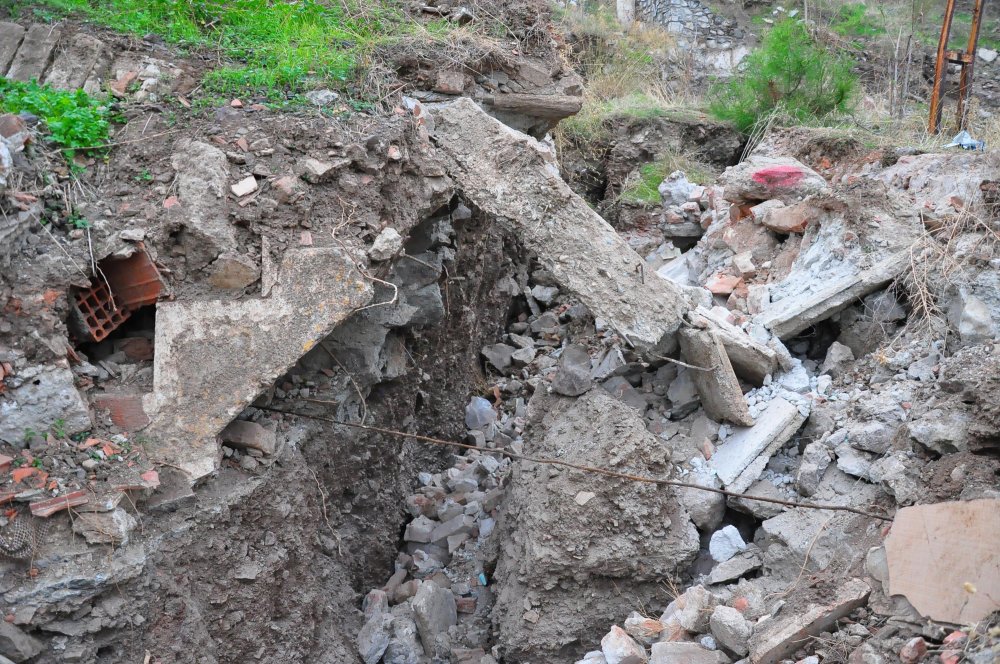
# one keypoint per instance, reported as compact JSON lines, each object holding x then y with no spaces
{"x":778,"y":176}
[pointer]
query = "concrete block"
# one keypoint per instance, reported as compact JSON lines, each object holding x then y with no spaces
{"x":214,"y":357}
{"x":35,"y":53}
{"x":11,"y":35}
{"x":718,"y":386}
{"x":72,"y":66}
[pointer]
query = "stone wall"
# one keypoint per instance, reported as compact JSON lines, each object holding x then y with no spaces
{"x":692,"y":21}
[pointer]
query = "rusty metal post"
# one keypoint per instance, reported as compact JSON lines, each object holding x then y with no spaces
{"x":968,"y":67}
{"x":939,"y":68}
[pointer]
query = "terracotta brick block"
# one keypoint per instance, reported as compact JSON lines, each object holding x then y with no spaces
{"x":125,"y":409}
{"x":49,"y":507}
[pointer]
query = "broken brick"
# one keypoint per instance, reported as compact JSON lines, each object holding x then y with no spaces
{"x":33,"y":477}
{"x":44,"y":508}
{"x":723,"y":284}
{"x":5,"y":462}
{"x":126,"y":410}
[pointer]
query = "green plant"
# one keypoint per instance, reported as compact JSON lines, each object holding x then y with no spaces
{"x":36,"y":462}
{"x":30,"y":434}
{"x":74,"y":120}
{"x":18,"y":462}
{"x":79,"y":222}
{"x":789,"y":72}
{"x":145,"y":176}
{"x":59,"y":427}
{"x":645,"y":190}
{"x":852,"y":20}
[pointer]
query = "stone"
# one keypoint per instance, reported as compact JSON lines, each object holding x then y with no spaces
{"x":620,"y":648}
{"x":545,"y":294}
{"x":450,"y":82}
{"x":232,"y":271}
{"x":853,"y":462}
{"x":706,"y":509}
{"x":202,"y":180}
{"x":388,"y":243}
{"x":434,"y":611}
{"x":839,"y":360}
{"x":733,"y":569}
{"x":244,"y":187}
{"x":373,"y":639}
{"x":743,"y":262}
{"x":17,"y":646}
{"x":986,"y":54}
{"x":765,"y":178}
{"x":943,"y":559}
{"x":419,"y":530}
{"x":815,"y":460}
{"x":731,"y":630}
{"x":683,"y":394}
{"x":675,"y":189}
{"x":717,"y":385}
{"x":645,"y":311}
{"x":315,"y":171}
{"x":46,"y":393}
{"x":243,"y":435}
{"x":725,"y":544}
{"x":789,"y":219}
{"x":751,"y":360}
{"x":499,"y":355}
{"x":692,"y":609}
{"x":573,"y":376}
{"x":35,"y":52}
{"x":741,"y":458}
{"x":111,"y":527}
{"x":775,"y":638}
{"x":723,"y":284}
{"x":913,"y":651}
{"x":201,"y":376}
{"x":941,"y":431}
{"x":323,"y":97}
{"x":642,"y":629}
{"x":682,"y":652}
{"x":971,"y":317}
{"x":11,"y":35}
{"x":894,"y":474}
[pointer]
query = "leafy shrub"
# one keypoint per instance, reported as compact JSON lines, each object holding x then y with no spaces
{"x":788,"y":71}
{"x":74,"y":120}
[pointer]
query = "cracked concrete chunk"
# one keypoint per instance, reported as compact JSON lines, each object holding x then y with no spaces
{"x":960,"y":542}
{"x":716,"y":382}
{"x":46,"y":394}
{"x":202,"y":185}
{"x":214,"y":357}
{"x":11,"y":35}
{"x":72,"y":66}
{"x":513,"y":177}
{"x":16,"y":645}
{"x":777,"y":637}
{"x":35,"y":53}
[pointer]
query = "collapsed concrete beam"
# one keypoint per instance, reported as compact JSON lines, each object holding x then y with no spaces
{"x":513,"y":177}
{"x":790,"y":316}
{"x":213,"y":357}
{"x":716,"y":383}
{"x":740,"y":460}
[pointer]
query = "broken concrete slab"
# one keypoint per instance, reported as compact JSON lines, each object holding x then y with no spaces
{"x":202,"y":376}
{"x":777,"y":637}
{"x":249,"y":435}
{"x":514,"y":178}
{"x":720,"y":391}
{"x":685,"y":652}
{"x":11,"y":35}
{"x":35,"y":52}
{"x":775,"y":426}
{"x":44,"y":394}
{"x":72,"y":66}
{"x":751,"y":360}
{"x":960,"y":542}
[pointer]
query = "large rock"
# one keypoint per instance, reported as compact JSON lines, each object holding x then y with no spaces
{"x":202,"y":185}
{"x":44,"y":395}
{"x":215,"y":357}
{"x":573,"y":377}
{"x":767,"y":178}
{"x":17,"y":646}
{"x":740,"y":460}
{"x":434,"y":611}
{"x":684,"y":652}
{"x":731,"y":630}
{"x":720,"y":391}
{"x":594,"y":561}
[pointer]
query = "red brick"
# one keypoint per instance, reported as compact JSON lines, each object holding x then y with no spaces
{"x":52,"y":505}
{"x":465,"y":604}
{"x":30,"y":475}
{"x":11,"y":124}
{"x":5,"y":463}
{"x":125,"y":409}
{"x":723,"y":284}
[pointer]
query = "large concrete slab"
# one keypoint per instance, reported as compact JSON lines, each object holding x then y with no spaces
{"x":72,"y":66}
{"x":11,"y":35}
{"x":213,"y":357}
{"x":35,"y":53}
{"x":513,"y":177}
{"x":775,"y":426}
{"x":751,"y":360}
{"x":790,"y":316}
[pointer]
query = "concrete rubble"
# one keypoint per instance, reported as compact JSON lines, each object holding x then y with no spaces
{"x":799,"y":454}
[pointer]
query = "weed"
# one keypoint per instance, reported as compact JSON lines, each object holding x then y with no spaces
{"x":852,"y":20}
{"x":74,"y":120}
{"x":36,"y":463}
{"x":145,"y":176}
{"x":789,"y":71}
{"x":18,"y":462}
{"x":79,"y":222}
{"x":59,"y":428}
{"x":29,"y":435}
{"x":270,"y":48}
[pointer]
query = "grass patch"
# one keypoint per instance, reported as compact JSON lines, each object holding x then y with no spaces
{"x":644,"y":190}
{"x":268,"y":47}
{"x":852,"y":20}
{"x":74,"y":120}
